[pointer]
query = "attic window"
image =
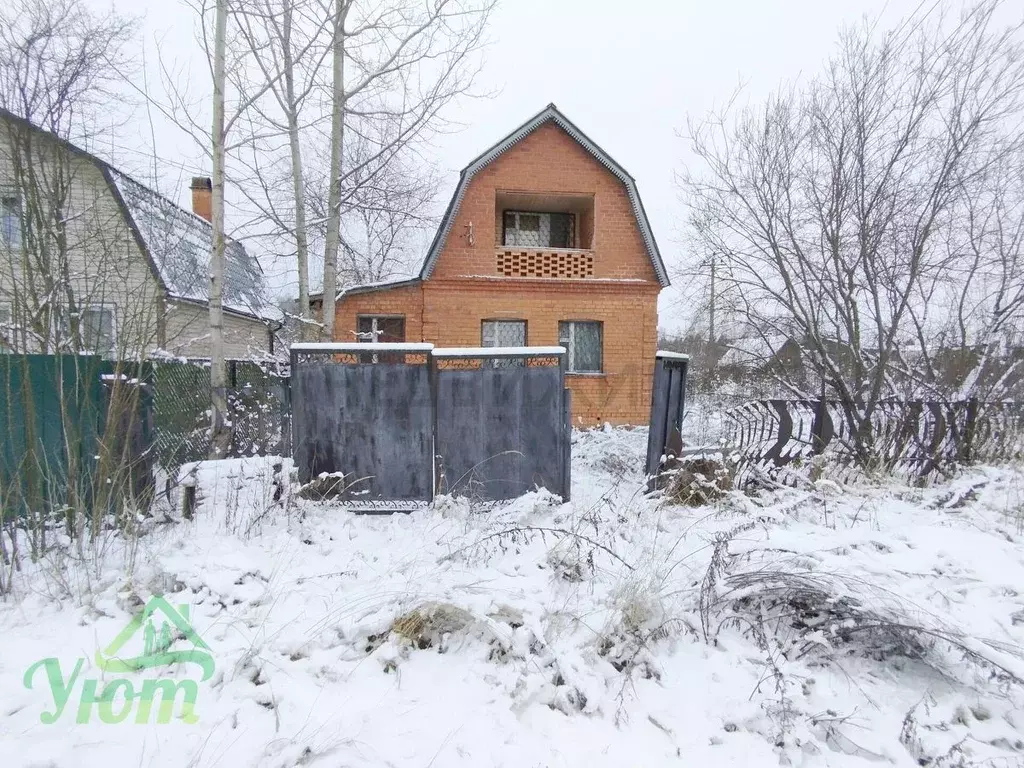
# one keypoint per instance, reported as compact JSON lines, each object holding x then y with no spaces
{"x":533,"y":229}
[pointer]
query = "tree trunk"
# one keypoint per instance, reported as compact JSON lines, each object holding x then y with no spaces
{"x":298,"y":179}
{"x":333,"y":238}
{"x":220,"y":421}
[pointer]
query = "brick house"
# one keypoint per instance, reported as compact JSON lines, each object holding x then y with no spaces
{"x":544,"y":242}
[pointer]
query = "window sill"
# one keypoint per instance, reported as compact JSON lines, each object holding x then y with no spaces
{"x":587,"y":374}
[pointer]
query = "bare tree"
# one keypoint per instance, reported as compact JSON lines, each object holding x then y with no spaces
{"x":387,"y":71}
{"x":834,"y":204}
{"x":287,"y":41}
{"x":387,"y":212}
{"x":396,"y":64}
{"x":228,"y":67}
{"x":58,"y":72}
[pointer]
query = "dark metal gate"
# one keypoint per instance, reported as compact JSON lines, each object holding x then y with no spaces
{"x":502,"y":421}
{"x":371,"y":422}
{"x":403,"y":421}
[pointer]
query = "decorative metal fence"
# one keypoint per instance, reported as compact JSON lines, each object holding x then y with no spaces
{"x":776,"y":437}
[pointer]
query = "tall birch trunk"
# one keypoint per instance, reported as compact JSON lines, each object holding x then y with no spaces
{"x":220,"y":426}
{"x":333,"y":238}
{"x":298,"y":179}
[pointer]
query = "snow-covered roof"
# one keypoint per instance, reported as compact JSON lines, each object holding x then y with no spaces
{"x":355,"y":346}
{"x":381,"y":285}
{"x":178,"y":244}
{"x":549,"y":114}
{"x":499,"y":351}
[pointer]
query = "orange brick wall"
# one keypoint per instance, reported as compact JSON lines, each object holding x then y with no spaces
{"x":621,"y":394}
{"x":448,"y":308}
{"x":406,"y":301}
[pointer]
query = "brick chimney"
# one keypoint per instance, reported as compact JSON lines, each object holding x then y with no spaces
{"x":202,"y":197}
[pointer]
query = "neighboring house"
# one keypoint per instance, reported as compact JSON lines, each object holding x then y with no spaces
{"x":91,"y":259}
{"x":545,"y":242}
{"x":767,"y":355}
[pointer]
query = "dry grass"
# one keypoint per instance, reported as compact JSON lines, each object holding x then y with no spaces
{"x":426,"y":625}
{"x":698,"y":481}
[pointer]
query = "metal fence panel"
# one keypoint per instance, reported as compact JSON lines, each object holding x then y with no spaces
{"x":61,"y":417}
{"x":500,"y":431}
{"x":773,"y":438}
{"x":257,"y":398}
{"x":371,"y":422}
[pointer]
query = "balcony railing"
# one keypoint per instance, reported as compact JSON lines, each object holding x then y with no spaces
{"x":564,"y":263}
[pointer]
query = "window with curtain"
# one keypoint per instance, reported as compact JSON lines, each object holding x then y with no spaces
{"x":504,"y":333}
{"x":98,"y":328}
{"x":10,"y":220}
{"x":582,"y":341}
{"x":539,"y":230}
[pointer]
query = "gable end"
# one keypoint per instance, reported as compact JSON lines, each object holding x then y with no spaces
{"x":549,"y":114}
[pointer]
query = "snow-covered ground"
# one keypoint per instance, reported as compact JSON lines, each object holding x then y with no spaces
{"x":613,"y":631}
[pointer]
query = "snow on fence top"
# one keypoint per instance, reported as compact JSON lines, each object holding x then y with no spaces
{"x":382,"y":346}
{"x":498,"y":351}
{"x":351,"y":346}
{"x":671,"y":355}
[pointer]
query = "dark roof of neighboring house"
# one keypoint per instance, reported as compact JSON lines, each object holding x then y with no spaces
{"x":177,"y":242}
{"x":548,"y":114}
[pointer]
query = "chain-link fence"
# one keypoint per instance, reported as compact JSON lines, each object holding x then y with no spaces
{"x":257,"y":396}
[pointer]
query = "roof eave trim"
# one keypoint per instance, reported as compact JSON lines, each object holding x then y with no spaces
{"x":356,"y":290}
{"x":229,"y":310}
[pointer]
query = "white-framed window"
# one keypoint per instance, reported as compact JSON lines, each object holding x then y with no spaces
{"x":534,"y":229}
{"x":582,"y":341}
{"x":10,"y":219}
{"x":98,"y":327}
{"x":504,"y":333}
{"x":6,"y":321}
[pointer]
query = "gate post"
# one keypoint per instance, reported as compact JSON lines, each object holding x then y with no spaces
{"x":668,"y":399}
{"x":433,"y":457}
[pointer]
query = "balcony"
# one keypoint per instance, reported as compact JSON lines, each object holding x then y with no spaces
{"x":557,"y":263}
{"x":544,"y":235}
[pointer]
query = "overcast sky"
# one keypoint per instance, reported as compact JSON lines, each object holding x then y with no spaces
{"x":627,"y":73}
